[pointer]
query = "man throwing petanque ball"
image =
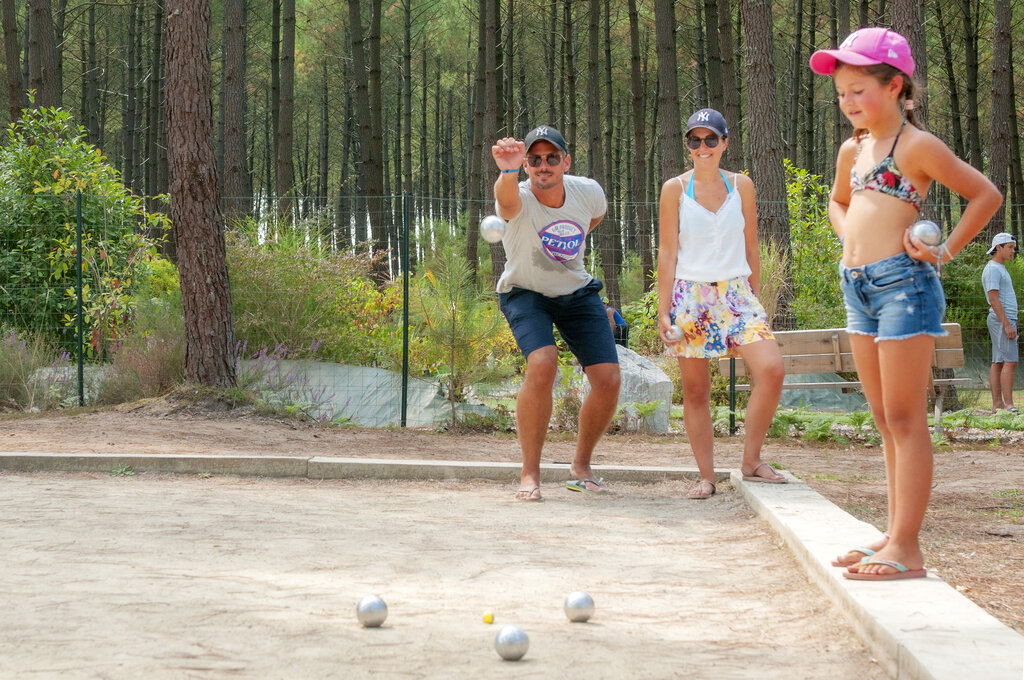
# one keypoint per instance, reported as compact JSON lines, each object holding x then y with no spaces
{"x":545,"y":286}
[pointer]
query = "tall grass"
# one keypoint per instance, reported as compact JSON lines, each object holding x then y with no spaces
{"x":33,"y":372}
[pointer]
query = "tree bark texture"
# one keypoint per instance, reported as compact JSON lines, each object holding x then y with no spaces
{"x":285,"y":164}
{"x":42,"y":54}
{"x":638,"y":189}
{"x":15,"y":92}
{"x":671,"y":131}
{"x":1002,"y":109}
{"x":237,"y":187}
{"x":733,"y":156}
{"x":205,"y":293}
{"x":766,"y":150}
{"x":908,"y":21}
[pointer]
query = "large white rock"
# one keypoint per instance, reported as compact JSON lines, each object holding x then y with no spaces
{"x":644,"y":383}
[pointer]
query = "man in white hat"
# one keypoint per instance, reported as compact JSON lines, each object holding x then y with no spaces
{"x":1002,"y":321}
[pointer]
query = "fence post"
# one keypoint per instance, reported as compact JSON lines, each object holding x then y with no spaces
{"x":405,"y":306}
{"x":732,"y":396}
{"x":81,"y":321}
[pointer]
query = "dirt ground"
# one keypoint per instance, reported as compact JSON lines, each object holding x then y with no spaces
{"x":973,"y":535}
{"x":155,"y":576}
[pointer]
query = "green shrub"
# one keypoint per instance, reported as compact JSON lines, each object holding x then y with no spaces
{"x":464,"y":337}
{"x":316,"y":302}
{"x":45,"y":161}
{"x":815,"y":252}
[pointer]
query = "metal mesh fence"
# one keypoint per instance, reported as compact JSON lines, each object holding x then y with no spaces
{"x":361,"y":309}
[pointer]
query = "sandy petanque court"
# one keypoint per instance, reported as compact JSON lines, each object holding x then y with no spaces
{"x":161,"y":576}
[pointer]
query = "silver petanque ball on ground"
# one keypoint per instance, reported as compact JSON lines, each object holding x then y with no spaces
{"x":675,"y":334}
{"x":927,"y":232}
{"x":579,"y":606}
{"x":492,"y":228}
{"x":511,"y":643}
{"x":371,"y":611}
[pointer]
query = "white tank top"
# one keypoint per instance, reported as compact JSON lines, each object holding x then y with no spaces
{"x":711,"y":244}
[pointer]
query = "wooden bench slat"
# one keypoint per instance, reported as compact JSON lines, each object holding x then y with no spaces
{"x":814,"y":351}
{"x":941,"y":382}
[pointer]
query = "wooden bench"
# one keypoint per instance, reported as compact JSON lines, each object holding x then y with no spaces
{"x":828,"y":351}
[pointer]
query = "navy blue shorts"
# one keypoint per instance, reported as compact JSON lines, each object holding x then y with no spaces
{"x":579,"y":317}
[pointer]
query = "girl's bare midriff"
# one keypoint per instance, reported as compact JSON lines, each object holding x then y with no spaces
{"x":874,"y":227}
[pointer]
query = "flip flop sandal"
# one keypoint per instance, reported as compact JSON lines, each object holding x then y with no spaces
{"x":528,"y":498}
{"x":865,"y":552}
{"x":901,"y":572}
{"x":752,"y":477}
{"x":580,"y":485}
{"x":700,"y":492}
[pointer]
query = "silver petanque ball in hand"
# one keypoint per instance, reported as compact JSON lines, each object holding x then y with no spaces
{"x":675,"y":333}
{"x":371,"y":611}
{"x":927,"y":232}
{"x":492,"y":228}
{"x":579,"y":606}
{"x":511,"y":643}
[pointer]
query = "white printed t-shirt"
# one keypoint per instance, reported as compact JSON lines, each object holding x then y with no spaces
{"x":545,"y":247}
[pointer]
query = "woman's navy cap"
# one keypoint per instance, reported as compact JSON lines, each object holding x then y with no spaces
{"x":710,"y":119}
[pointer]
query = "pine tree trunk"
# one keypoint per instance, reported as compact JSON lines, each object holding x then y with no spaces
{"x":205,"y":293}
{"x":716,"y":79}
{"x":908,"y":21}
{"x":479,"y":141}
{"x":42,"y":54}
{"x":765,"y":140}
{"x":971,"y":76}
{"x":236,"y":165}
{"x":639,"y":186}
{"x":15,"y":93}
{"x":733,"y":156}
{"x":285,"y":164}
{"x":999,"y":136}
{"x":671,"y":130}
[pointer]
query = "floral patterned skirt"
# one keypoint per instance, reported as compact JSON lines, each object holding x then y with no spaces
{"x":716,"y":318}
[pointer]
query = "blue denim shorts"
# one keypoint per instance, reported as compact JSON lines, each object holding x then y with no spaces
{"x":893,"y":299}
{"x":579,"y":317}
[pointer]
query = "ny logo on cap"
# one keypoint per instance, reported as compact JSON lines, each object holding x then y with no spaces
{"x":850,"y":39}
{"x":542,"y":130}
{"x":703,"y":115}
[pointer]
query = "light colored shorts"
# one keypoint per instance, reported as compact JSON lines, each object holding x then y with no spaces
{"x":716,"y":317}
{"x":1004,"y":350}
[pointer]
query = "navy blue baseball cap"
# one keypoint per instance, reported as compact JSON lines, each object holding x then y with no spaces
{"x":548,"y":134}
{"x":710,"y":119}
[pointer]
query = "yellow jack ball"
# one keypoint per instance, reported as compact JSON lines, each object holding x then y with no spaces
{"x":488,"y":617}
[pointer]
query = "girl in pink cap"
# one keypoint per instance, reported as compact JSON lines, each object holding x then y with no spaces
{"x":894,"y":300}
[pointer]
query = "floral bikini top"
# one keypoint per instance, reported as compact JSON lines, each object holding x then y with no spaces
{"x":886,"y":177}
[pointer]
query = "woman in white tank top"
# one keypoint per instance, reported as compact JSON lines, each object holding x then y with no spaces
{"x":708,"y":276}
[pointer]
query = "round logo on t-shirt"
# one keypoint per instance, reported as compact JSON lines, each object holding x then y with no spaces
{"x":562,"y":240}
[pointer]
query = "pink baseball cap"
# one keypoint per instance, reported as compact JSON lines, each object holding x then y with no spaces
{"x":866,"y":47}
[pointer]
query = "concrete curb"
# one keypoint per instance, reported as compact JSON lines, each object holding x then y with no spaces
{"x":920,"y":629}
{"x":262,"y":466}
{"x":325,"y":467}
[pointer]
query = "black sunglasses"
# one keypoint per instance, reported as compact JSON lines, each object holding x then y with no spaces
{"x":711,"y":141}
{"x":552,"y":158}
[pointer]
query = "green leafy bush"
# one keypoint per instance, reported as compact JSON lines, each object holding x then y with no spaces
{"x":316,"y":302}
{"x":45,"y":161}
{"x":815,"y":252}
